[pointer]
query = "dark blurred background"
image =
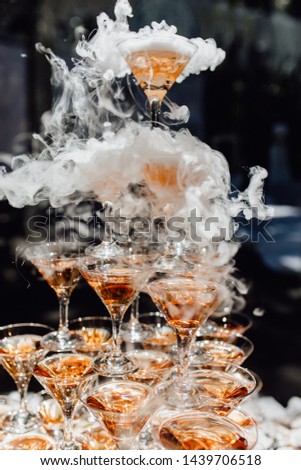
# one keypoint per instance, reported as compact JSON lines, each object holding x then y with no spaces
{"x":249,"y":108}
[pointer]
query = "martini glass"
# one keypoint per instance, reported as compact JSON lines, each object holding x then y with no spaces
{"x":186,"y":304}
{"x":205,"y":428}
{"x":20,"y":349}
{"x":96,"y":333}
{"x":226,"y":327}
{"x":117,"y":283}
{"x":61,"y":374}
{"x":30,"y":441}
{"x":124,"y":407}
{"x":156,"y":62}
{"x":224,"y":381}
{"x":236,"y":349}
{"x":163,"y":337}
{"x":154,"y":366}
{"x":56,"y":262}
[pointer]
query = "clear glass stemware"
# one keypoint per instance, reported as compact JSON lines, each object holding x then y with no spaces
{"x":61,"y":374}
{"x":156,"y":61}
{"x":117,"y":283}
{"x":20,"y":349}
{"x":56,"y":262}
{"x":186,"y":303}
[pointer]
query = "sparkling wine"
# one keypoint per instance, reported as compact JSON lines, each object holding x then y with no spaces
{"x":223,"y":351}
{"x":187,"y":308}
{"x":115,"y":288}
{"x":197,"y":432}
{"x":162,"y":175}
{"x":60,"y":273}
{"x":122,"y":407}
{"x":221,"y":385}
{"x":61,"y":374}
{"x":156,"y":70}
{"x":73,"y":366}
{"x":95,"y":339}
{"x":224,"y":330}
{"x":35,"y":442}
{"x":20,"y":344}
{"x":97,"y":439}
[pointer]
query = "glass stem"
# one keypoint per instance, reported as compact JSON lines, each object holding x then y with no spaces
{"x":108,"y":230}
{"x":22,"y":387}
{"x":183,"y":361}
{"x":135,"y":311}
{"x":68,"y":439}
{"x":116,"y":321}
{"x":155,"y":106}
{"x":129,"y":444}
{"x":64,"y":313}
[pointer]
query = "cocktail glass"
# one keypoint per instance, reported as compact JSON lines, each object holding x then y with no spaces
{"x":225,"y":327}
{"x":61,"y":374}
{"x":154,"y":366}
{"x":124,"y":407}
{"x":205,"y":428}
{"x":156,"y":62}
{"x":96,"y":333}
{"x":163,"y":337}
{"x":117,"y":284}
{"x":236,"y":350}
{"x":186,"y":304}
{"x":224,"y":381}
{"x":30,"y":441}
{"x":20,"y":349}
{"x":56,"y":262}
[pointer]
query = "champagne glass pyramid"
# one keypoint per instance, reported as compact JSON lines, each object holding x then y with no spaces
{"x":117,"y":284}
{"x":156,"y":62}
{"x":56,"y":261}
{"x":186,"y":303}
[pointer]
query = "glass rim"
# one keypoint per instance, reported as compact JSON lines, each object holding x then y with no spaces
{"x":242,"y":370}
{"x":236,"y":336}
{"x":230,"y":317}
{"x":64,"y":379}
{"x":83,"y":394}
{"x":89,"y":318}
{"x":175,"y":413}
{"x":21,"y":325}
{"x":156,"y":36}
{"x":104,"y":268}
{"x":27,"y":248}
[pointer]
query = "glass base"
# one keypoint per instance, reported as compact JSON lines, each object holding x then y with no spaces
{"x":106,"y":250}
{"x":61,"y":341}
{"x":74,"y":445}
{"x":196,"y":355}
{"x":114,"y":365}
{"x":181,"y":394}
{"x":20,"y":422}
{"x":135,"y":332}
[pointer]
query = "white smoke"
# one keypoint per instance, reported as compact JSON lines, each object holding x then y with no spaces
{"x":92,"y":146}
